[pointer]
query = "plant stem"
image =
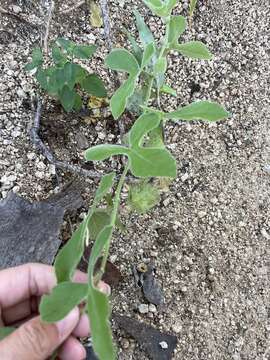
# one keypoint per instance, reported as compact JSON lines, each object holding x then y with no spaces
{"x":161,"y":54}
{"x":116,"y":202}
{"x":47,"y":29}
{"x":149,"y":89}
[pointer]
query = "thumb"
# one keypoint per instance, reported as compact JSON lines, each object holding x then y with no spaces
{"x":36,"y":340}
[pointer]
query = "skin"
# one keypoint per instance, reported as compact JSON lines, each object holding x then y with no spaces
{"x":20,"y":291}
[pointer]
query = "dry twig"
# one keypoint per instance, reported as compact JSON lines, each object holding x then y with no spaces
{"x":47,"y":28}
{"x":106,"y":21}
{"x":72,"y":8}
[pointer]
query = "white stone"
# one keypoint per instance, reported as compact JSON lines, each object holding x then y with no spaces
{"x":16,"y":9}
{"x":163,"y":345}
{"x":152,"y":308}
{"x":184,"y":177}
{"x":143,"y":308}
{"x":31,"y":156}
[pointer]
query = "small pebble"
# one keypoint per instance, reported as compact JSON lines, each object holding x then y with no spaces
{"x":143,"y":308}
{"x":166,"y":202}
{"x":152,"y":308}
{"x":163,"y":345}
{"x":125,"y":343}
{"x":16,"y":9}
{"x":184,"y":177}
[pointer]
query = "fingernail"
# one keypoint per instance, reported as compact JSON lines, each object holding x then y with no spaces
{"x":66,"y":325}
{"x":105,"y":288}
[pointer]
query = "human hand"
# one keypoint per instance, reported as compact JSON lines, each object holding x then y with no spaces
{"x":20,"y":291}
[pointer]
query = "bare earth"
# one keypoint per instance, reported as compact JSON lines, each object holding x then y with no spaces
{"x":210,"y":236}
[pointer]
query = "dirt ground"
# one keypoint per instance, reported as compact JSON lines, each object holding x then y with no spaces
{"x":209,"y":238}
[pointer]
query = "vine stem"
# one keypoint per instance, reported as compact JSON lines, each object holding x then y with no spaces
{"x":162,"y":51}
{"x":116,"y":202}
{"x":149,"y":89}
{"x":47,"y":28}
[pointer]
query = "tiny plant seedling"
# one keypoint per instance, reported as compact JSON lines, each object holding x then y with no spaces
{"x":146,"y":157}
{"x":65,"y":80}
{"x":192,"y":6}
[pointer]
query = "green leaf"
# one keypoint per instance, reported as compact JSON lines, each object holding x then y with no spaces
{"x":168,"y":90}
{"x":136,"y":100}
{"x":103,"y":238}
{"x":5,"y":331}
{"x":67,"y":45}
{"x":160,"y":66}
{"x":98,"y":305}
{"x":53,"y":83}
{"x":159,"y":71}
{"x":102,"y":152}
{"x":136,"y":50}
{"x":105,"y":186}
{"x":122,"y":60}
{"x":70,"y":255}
{"x":37,"y":57}
{"x":156,"y":138}
{"x":177,"y":26}
{"x":143,"y":197}
{"x":67,"y":98}
{"x":58,"y":57}
{"x":169,"y":5}
{"x":141,"y":127}
{"x":30,"y":66}
{"x":93,"y":85}
{"x":145,"y":34}
{"x":42,"y":78}
{"x":109,"y":209}
{"x":154,"y":3}
{"x":77,"y":103}
{"x":194,"y":50}
{"x":59,"y":76}
{"x":119,"y":99}
{"x":144,"y":162}
{"x":79,"y":73}
{"x":161,"y":8}
{"x":99,"y":313}
{"x":147,"y":54}
{"x":149,"y":109}
{"x":97,"y":222}
{"x":69,"y":73}
{"x":201,"y":110}
{"x":61,"y":301}
{"x":37,"y":60}
{"x":148,"y":162}
{"x":152,"y":162}
{"x":84,"y":51}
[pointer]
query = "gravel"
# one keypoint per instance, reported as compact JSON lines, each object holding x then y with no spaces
{"x":209,"y":237}
{"x":143,"y":308}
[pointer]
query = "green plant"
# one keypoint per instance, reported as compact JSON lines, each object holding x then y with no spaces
{"x":192,"y":5}
{"x":65,"y":79}
{"x":145,"y":157}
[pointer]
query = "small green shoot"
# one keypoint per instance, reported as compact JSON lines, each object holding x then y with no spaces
{"x":192,"y":6}
{"x":66,"y":80}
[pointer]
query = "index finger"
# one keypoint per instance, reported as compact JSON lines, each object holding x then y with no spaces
{"x":20,"y":283}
